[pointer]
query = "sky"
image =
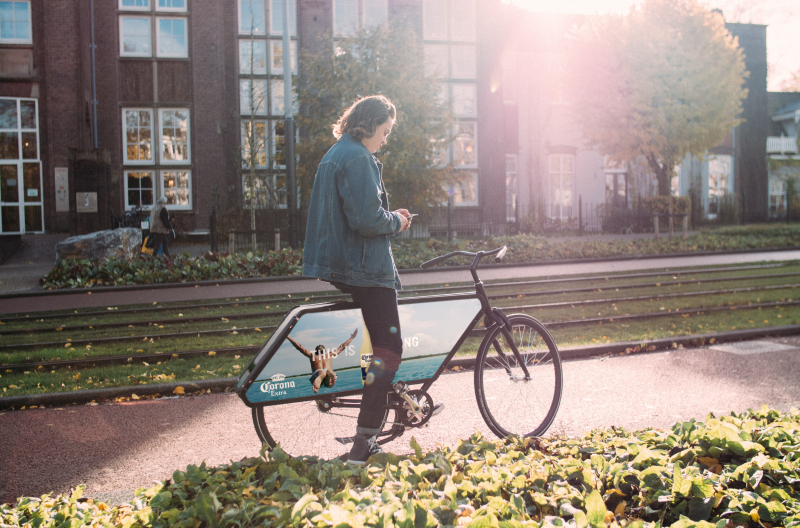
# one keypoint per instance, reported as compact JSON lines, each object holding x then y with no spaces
{"x":782,"y":17}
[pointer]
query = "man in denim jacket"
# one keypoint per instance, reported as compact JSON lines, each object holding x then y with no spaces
{"x":347,"y":243}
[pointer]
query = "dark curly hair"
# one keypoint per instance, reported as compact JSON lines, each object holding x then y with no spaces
{"x":364,"y":117}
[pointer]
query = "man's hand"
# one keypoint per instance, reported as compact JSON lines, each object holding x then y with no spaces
{"x":405,"y":219}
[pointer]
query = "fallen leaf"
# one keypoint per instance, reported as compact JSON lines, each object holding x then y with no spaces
{"x":212,"y":353}
{"x":178,"y":390}
{"x":134,"y":396}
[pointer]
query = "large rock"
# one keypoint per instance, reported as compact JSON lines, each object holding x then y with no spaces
{"x":125,"y":242}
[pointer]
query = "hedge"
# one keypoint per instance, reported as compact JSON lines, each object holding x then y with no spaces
{"x":736,"y":470}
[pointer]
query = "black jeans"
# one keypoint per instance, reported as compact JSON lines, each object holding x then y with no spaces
{"x":161,"y":244}
{"x":379,"y":308}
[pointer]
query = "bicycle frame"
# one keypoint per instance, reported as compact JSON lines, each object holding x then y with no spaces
{"x":278,"y":373}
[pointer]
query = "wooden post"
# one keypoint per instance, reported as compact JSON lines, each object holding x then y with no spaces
{"x":685,"y":225}
{"x":655,"y":224}
{"x":231,"y":242}
{"x":277,"y":240}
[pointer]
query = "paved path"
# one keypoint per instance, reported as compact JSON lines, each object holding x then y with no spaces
{"x":115,"y":448}
{"x":235,"y":289}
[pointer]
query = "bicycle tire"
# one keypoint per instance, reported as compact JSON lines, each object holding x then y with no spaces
{"x":508,"y":403}
{"x":305,"y":429}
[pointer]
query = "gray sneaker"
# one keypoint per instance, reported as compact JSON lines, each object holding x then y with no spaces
{"x":363,"y":448}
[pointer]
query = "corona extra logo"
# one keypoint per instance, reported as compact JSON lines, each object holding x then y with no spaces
{"x":278,"y":377}
{"x":274,"y":388}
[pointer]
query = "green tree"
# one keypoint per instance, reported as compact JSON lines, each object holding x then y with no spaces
{"x":662,"y":83}
{"x":387,"y":62}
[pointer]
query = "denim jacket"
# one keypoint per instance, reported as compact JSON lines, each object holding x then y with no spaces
{"x":349,"y":222}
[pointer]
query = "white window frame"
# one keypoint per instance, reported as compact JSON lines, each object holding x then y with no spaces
{"x":183,"y":9}
{"x":429,"y":52}
{"x":473,"y":72}
{"x":276,"y":98}
{"x":21,"y":203}
{"x":125,"y":143}
{"x":161,"y":141}
{"x":245,"y":104}
{"x":134,"y":8}
{"x":175,"y":206}
{"x":452,"y":15}
{"x":462,"y":202}
{"x":458,"y":99}
{"x":28,"y":40}
{"x":293,"y":50}
{"x":292,"y":17}
{"x":183,"y":55}
{"x":261,"y":143}
{"x":776,"y":205}
{"x":245,"y":53}
{"x":474,"y":164}
{"x":128,"y":205}
{"x":512,"y":191}
{"x":561,"y":187}
{"x":425,"y":24}
{"x":249,"y":31}
{"x":122,"y":52}
{"x":384,"y":17}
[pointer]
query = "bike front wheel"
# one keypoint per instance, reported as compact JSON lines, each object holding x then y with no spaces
{"x":323,"y":428}
{"x":509,"y":402}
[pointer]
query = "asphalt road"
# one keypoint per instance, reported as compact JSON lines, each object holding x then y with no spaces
{"x":116,"y":448}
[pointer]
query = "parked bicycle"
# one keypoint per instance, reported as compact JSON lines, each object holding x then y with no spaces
{"x":517,"y":375}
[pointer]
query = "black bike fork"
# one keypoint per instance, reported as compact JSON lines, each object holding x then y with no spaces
{"x":500,"y":319}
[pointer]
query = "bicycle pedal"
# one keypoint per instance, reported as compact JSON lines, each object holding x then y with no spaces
{"x":344,"y":440}
{"x":439,"y":407}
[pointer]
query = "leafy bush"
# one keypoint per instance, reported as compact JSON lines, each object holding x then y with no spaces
{"x":181,"y":268}
{"x":737,"y":470}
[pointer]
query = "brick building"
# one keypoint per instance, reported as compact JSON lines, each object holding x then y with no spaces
{"x":109,"y":104}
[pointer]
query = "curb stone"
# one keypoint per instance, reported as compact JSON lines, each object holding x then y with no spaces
{"x":567,"y":353}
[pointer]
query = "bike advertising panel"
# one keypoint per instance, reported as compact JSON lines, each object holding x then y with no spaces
{"x":327,"y":352}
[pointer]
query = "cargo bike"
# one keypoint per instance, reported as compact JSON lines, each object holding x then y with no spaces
{"x":312,"y":410}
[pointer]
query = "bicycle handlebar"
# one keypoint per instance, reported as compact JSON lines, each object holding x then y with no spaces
{"x":499,"y":254}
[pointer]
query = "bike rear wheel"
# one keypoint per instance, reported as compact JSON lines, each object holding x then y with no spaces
{"x":508,"y":402}
{"x":313,"y":428}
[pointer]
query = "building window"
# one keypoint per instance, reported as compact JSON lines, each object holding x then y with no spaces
{"x":254,"y":143}
{"x":21,"y":207}
{"x":463,"y":65}
{"x":140,"y":190}
{"x":253,"y":57}
{"x":777,"y":198}
{"x":172,"y":38}
{"x":434,"y":19}
{"x":174,"y":136}
{"x":511,"y":187}
{"x":464,"y":140}
{"x":253,"y":96}
{"x":176,"y":185}
{"x":15,"y":23}
{"x":561,"y":181}
{"x":466,"y":189}
{"x":436,"y":61}
{"x":276,"y":15}
{"x":465,"y":100}
{"x":171,"y":5}
{"x":140,"y":5}
{"x":462,"y":20}
{"x":719,"y":175}
{"x":134,"y":37}
{"x":276,"y":56}
{"x":351,"y":16}
{"x":270,"y":191}
{"x":138,"y":135}
{"x":251,"y":17}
